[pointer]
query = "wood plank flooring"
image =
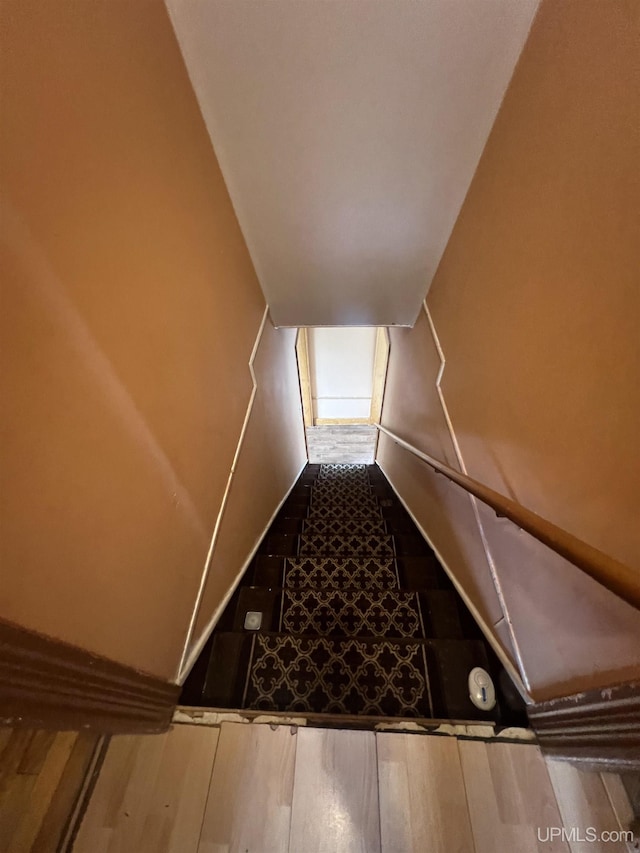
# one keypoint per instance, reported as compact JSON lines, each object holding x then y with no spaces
{"x":265,"y":788}
{"x":260,"y":788}
{"x":335,"y":793}
{"x":151,"y":793}
{"x":260,"y":762}
{"x":348,"y":443}
{"x":583,"y":801}
{"x":41,"y":776}
{"x":422,"y":797}
{"x":509,"y":795}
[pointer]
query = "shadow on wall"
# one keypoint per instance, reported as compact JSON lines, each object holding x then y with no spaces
{"x":130,"y":309}
{"x":541,"y":358}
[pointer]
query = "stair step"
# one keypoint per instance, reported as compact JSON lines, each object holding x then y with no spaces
{"x":351,"y":613}
{"x":344,"y":504}
{"x":337,"y":487}
{"x":370,"y":677}
{"x":337,"y":525}
{"x":343,"y":472}
{"x":332,"y":526}
{"x":347,"y":573}
{"x":340,"y":573}
{"x":346,"y":546}
{"x":285,"y":672}
{"x":319,"y":674}
{"x":344,"y":527}
{"x":330,"y":511}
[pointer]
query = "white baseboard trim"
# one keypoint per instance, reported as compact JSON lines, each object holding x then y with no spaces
{"x":488,"y":634}
{"x":193,"y":655}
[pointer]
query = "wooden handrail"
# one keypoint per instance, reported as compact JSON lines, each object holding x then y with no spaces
{"x":618,"y":578}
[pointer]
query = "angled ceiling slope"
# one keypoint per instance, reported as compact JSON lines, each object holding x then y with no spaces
{"x":348,"y":132}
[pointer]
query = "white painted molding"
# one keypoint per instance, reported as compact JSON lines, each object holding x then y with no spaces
{"x":383,"y":388}
{"x":304,"y":377}
{"x":488,"y":634}
{"x":474,"y":503}
{"x":195,"y":652}
{"x":225,"y":498}
{"x":380,"y":365}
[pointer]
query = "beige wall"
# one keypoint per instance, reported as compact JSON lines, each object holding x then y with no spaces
{"x":536,"y":305}
{"x":412,"y":410}
{"x":273,"y":454}
{"x":129,"y":312}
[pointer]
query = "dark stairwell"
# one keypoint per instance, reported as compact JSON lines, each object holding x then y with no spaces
{"x":357,"y":617}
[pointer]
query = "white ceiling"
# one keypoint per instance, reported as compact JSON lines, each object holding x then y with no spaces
{"x":348,"y":132}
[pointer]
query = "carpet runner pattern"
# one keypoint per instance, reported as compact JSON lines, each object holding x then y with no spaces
{"x":344,"y":546}
{"x":337,"y":526}
{"x":351,"y":613}
{"x":340,"y":510}
{"x":337,"y":676}
{"x":326,"y":573}
{"x":356,"y":616}
{"x":343,"y":503}
{"x":347,"y":473}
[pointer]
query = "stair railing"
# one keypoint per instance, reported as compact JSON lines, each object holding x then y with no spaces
{"x":615,"y":576}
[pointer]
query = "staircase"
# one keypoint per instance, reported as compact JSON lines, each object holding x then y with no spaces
{"x":355,"y":614}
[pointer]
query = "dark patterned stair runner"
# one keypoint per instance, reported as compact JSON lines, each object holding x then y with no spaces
{"x":338,"y":676}
{"x":346,"y":546}
{"x":336,"y":526}
{"x":351,"y":613}
{"x":357,"y":615}
{"x":340,"y":573}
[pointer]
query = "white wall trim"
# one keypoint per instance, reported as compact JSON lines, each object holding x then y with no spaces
{"x":304,"y":379}
{"x":474,"y":503}
{"x":223,"y":504}
{"x":484,"y":627}
{"x":211,"y":624}
{"x":381,"y":385}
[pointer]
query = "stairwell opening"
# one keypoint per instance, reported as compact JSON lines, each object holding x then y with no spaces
{"x":342,"y":373}
{"x":358,"y":624}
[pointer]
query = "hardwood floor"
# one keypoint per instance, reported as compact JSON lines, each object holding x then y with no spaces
{"x":335,"y":793}
{"x":422,"y":797}
{"x":259,"y":761}
{"x":265,"y":788}
{"x":509,"y":795}
{"x":151,"y":793}
{"x":585,"y":799}
{"x":353,"y":443}
{"x":41,"y":777}
{"x":262,"y":788}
